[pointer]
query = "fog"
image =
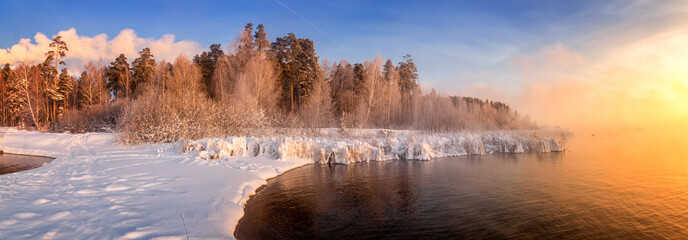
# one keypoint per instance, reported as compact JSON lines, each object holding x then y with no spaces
{"x":639,"y":85}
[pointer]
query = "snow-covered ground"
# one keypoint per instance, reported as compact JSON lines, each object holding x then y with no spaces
{"x":97,"y":189}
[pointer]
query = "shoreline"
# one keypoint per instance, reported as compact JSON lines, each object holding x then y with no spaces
{"x":28,"y":155}
{"x":145,"y":191}
{"x":130,"y":191}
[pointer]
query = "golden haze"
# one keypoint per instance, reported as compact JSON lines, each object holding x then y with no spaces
{"x":641,"y":85}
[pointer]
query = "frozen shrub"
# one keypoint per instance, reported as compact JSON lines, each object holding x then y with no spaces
{"x":181,"y":110}
{"x":97,"y":118}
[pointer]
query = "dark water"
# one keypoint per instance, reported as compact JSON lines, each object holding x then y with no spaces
{"x":10,"y":163}
{"x":629,"y":185}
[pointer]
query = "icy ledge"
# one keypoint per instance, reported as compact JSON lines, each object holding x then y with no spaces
{"x":345,"y":150}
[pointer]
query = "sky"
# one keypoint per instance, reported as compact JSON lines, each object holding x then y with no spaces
{"x":591,"y":64}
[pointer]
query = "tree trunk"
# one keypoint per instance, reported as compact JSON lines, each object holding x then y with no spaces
{"x":291,"y":88}
{"x":55,"y":80}
{"x":28,"y":101}
{"x":54,"y":111}
{"x":389,"y":104}
{"x":66,"y":101}
{"x":370,"y":103}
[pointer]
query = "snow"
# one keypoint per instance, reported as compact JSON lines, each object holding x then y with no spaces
{"x":97,"y":189}
{"x":380,"y":147}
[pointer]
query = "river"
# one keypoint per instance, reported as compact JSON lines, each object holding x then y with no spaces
{"x":630,"y":184}
{"x":10,"y":163}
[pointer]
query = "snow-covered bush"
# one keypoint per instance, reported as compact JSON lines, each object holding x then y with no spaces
{"x":97,"y":118}
{"x":181,"y":110}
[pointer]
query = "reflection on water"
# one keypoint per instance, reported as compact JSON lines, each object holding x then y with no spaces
{"x":10,"y":163}
{"x":626,"y":186}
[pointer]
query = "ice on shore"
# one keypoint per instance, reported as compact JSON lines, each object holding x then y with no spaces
{"x":345,"y":150}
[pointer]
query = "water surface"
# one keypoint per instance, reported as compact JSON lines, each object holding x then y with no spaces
{"x":10,"y":163}
{"x":627,"y":185}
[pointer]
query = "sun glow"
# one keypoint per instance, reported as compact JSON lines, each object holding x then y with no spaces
{"x":640,"y":85}
{"x":660,"y":68}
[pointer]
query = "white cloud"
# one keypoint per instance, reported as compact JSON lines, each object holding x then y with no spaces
{"x":83,"y":49}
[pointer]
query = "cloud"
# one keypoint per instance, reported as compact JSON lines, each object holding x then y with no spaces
{"x":83,"y":49}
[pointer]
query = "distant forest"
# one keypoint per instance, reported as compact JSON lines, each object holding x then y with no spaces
{"x":254,"y":87}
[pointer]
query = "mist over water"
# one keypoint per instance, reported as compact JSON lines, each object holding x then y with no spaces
{"x":631,"y":184}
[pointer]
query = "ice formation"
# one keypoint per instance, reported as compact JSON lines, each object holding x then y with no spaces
{"x":345,"y":150}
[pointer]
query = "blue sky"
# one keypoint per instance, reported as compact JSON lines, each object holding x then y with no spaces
{"x":489,"y":49}
{"x":446,"y":37}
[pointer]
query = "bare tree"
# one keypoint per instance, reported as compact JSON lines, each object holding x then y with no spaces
{"x":258,"y":82}
{"x":92,"y":90}
{"x":186,"y":80}
{"x":221,"y":78}
{"x":317,"y":110}
{"x":24,"y":75}
{"x":371,"y":80}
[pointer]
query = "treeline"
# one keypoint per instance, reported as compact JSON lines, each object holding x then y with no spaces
{"x":255,"y":85}
{"x":40,"y":95}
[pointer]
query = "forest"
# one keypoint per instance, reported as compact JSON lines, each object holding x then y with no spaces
{"x":253,"y":87}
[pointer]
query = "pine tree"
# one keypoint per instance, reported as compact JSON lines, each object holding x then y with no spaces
{"x":119,"y":78}
{"x":390,"y":72}
{"x":298,"y":67}
{"x":408,"y":74}
{"x":49,"y":87}
{"x":261,"y":39}
{"x":64,"y":87}
{"x":359,"y":78}
{"x":143,"y":68}
{"x":246,"y":39}
{"x":207,"y":62}
{"x":408,"y":80}
{"x":58,"y":50}
{"x":15,"y":99}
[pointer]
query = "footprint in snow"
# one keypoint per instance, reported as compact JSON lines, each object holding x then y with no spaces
{"x":136,"y":234}
{"x":8,"y":222}
{"x":50,"y":234}
{"x":116,"y":187}
{"x":128,"y":213}
{"x":83,"y":177}
{"x":59,"y":216}
{"x":24,"y":215}
{"x":85,"y":192}
{"x":41,"y":201}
